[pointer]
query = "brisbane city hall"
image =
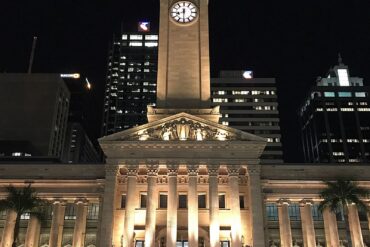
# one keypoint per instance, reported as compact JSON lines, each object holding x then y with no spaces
{"x":183,"y":179}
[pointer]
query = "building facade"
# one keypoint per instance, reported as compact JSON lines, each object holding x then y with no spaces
{"x":131,"y":79}
{"x":335,"y":119}
{"x":251,"y":105}
{"x":35,"y":110}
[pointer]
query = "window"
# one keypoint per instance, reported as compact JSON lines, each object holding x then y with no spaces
{"x":136,"y":37}
{"x":360,"y":95}
{"x":151,"y":44}
{"x":294,"y":212}
{"x":123,"y":201}
{"x":25,"y":216}
{"x":124,"y":37}
{"x":139,"y":243}
{"x":93,"y":211}
{"x":136,"y":44}
{"x":183,"y":201}
{"x":151,"y":37}
{"x":343,"y":77}
{"x":272,"y":212}
{"x":202,"y":201}
{"x":241,"y":202}
{"x":329,"y":94}
{"x":70,"y":213}
{"x":221,"y":201}
{"x":2,"y":215}
{"x":316,"y":213}
{"x":345,"y":94}
{"x":143,"y":197}
{"x":162,"y":200}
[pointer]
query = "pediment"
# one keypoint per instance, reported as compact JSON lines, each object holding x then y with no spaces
{"x":182,"y":127}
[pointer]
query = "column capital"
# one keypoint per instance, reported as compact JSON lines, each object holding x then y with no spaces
{"x":233,"y":170}
{"x":305,"y":202}
{"x":254,"y":170}
{"x":57,"y":201}
{"x":193,"y":169}
{"x":213,"y":170}
{"x":111,"y":170}
{"x":152,"y":169}
{"x":283,"y":202}
{"x":83,"y":201}
{"x":172,"y":169}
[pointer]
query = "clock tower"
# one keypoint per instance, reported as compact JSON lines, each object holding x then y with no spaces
{"x":183,"y":82}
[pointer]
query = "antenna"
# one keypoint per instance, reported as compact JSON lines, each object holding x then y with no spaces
{"x":32,"y":55}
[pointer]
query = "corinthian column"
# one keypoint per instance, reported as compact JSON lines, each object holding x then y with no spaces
{"x":214,"y":224}
{"x":130,"y":207}
{"x":172,"y":206}
{"x":8,"y":232}
{"x":284,"y":224}
{"x":309,"y":237}
{"x":57,"y":224}
{"x":236,"y":234}
{"x":80,"y":224}
{"x":107,"y":212}
{"x":256,"y":205}
{"x":193,"y":206}
{"x":151,"y":206}
{"x":331,"y":228}
{"x":33,"y":232}
{"x":355,"y":227}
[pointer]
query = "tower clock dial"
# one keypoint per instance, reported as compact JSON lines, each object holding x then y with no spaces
{"x":184,"y":12}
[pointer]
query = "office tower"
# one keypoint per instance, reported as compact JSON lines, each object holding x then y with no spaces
{"x":131,"y":79}
{"x":34,"y":114}
{"x":335,"y":119}
{"x":250,"y":104}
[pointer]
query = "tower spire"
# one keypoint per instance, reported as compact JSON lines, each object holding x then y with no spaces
{"x":340,"y":60}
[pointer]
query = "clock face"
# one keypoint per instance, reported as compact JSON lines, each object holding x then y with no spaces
{"x":184,"y":12}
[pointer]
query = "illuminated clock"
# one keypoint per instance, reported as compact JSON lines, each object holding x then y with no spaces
{"x":184,"y":12}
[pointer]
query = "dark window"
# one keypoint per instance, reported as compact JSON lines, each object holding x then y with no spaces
{"x":70,"y":212}
{"x":294,"y":212}
{"x":183,"y":201}
{"x":272,"y":212}
{"x":162,"y":201}
{"x":202,"y":201}
{"x":316,"y":213}
{"x":123,"y":201}
{"x":241,"y":202}
{"x":222,"y":201}
{"x":143,"y":200}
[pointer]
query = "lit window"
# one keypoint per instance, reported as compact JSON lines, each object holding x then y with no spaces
{"x":124,"y":37}
{"x":319,"y":109}
{"x":239,"y":100}
{"x":345,"y":94}
{"x":225,"y":123}
{"x":221,"y":92}
{"x":346,"y":109}
{"x":338,"y":154}
{"x":256,"y":92}
{"x":136,"y":44}
{"x":329,"y":94}
{"x":363,"y":109}
{"x":151,"y":44}
{"x":331,"y":109}
{"x":136,"y":37}
{"x":360,"y":95}
{"x":151,"y":37}
{"x":219,"y":100}
{"x":343,"y":77}
{"x":16,"y":154}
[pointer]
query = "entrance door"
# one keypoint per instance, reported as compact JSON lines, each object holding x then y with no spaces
{"x":183,"y":243}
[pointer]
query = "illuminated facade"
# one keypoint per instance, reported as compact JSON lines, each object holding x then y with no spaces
{"x":183,"y":179}
{"x":131,"y":79}
{"x":335,"y":119}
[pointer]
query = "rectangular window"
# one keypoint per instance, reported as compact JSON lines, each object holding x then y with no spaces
{"x":143,"y":198}
{"x":294,"y":212}
{"x":316,"y":213}
{"x":183,"y":201}
{"x":272,"y":212}
{"x":70,"y":213}
{"x":123,"y":201}
{"x":329,"y":94}
{"x":202,"y":201}
{"x":93,"y":211}
{"x":360,"y":95}
{"x":345,"y":94}
{"x":136,"y":37}
{"x":241,"y":202}
{"x":343,"y":77}
{"x":162,"y":200}
{"x":222,"y":201}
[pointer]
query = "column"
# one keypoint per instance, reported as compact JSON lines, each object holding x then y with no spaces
{"x":57,"y":224}
{"x":193,"y":206}
{"x":8,"y":232}
{"x":330,"y":223}
{"x":256,"y":205}
{"x":151,"y":206}
{"x":308,"y":230}
{"x":236,"y":234}
{"x":33,"y":232}
{"x":172,"y":206}
{"x":214,"y":224}
{"x":80,"y":223}
{"x":284,"y":224}
{"x":129,"y":227}
{"x":355,"y":226}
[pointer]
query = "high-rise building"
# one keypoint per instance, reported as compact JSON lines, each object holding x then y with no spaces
{"x":335,"y":119}
{"x":131,"y":79}
{"x":34,"y":114}
{"x":250,"y":104}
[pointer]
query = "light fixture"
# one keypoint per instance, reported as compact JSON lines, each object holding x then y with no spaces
{"x":248,"y":74}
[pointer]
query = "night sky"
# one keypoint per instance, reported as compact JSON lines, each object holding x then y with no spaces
{"x":293,"y":41}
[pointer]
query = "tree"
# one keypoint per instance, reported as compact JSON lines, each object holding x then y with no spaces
{"x":21,"y":201}
{"x":339,"y":195}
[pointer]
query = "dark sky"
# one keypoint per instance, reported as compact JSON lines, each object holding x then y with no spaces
{"x":293,"y":41}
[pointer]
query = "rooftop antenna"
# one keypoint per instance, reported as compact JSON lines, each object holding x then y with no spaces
{"x":340,"y":60}
{"x":32,"y":55}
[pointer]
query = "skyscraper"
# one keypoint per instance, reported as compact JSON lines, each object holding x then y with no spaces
{"x":250,"y":104}
{"x":335,"y":119}
{"x":131,"y":79}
